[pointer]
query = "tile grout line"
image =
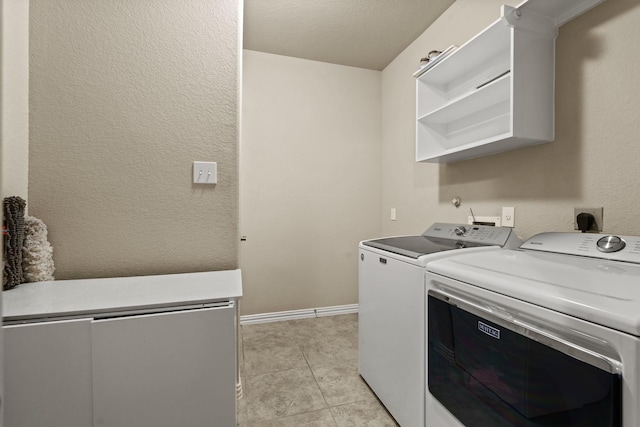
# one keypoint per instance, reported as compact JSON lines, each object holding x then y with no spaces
{"x":296,"y":333}
{"x":308,"y":366}
{"x":316,"y":379}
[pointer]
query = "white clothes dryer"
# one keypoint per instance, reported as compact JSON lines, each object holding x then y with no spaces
{"x":546,"y":335}
{"x":392,"y":309}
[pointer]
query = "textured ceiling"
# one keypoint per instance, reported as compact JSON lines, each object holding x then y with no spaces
{"x":359,"y":33}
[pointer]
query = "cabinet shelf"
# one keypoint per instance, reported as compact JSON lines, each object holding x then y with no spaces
{"x":484,"y":127}
{"x":478,"y":99}
{"x":495,"y":92}
{"x":489,"y":47}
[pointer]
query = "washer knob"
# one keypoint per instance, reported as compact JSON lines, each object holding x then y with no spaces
{"x":610,"y":244}
{"x":460,"y":230}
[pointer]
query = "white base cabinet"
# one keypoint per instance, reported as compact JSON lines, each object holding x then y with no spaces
{"x":165,"y":370}
{"x":47,"y":374}
{"x":170,"y":361}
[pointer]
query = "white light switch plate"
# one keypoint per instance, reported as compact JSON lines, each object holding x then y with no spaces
{"x":205,"y":172}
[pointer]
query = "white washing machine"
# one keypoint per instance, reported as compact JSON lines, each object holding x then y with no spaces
{"x":392,"y":309}
{"x":546,"y":335}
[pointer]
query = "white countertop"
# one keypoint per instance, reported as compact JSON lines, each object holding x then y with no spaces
{"x":70,"y":298}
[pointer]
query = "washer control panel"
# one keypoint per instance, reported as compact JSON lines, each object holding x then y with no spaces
{"x":479,"y":234}
{"x":460,"y":230}
{"x":619,"y":248}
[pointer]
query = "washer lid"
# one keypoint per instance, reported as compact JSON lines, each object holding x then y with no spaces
{"x":415,"y":246}
{"x":600,"y":291}
{"x":443,"y":237}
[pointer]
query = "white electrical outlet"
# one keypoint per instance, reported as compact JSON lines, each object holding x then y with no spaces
{"x":508,"y":217}
{"x":205,"y":172}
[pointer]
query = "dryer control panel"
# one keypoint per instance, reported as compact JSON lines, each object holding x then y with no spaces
{"x":618,"y":248}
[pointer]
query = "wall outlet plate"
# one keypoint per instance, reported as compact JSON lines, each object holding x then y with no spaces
{"x":597,"y":214}
{"x":508,"y":216}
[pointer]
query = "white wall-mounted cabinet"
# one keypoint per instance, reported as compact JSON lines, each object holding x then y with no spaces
{"x":495,"y":92}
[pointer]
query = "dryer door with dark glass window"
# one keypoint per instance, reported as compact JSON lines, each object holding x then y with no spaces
{"x":489,"y":372}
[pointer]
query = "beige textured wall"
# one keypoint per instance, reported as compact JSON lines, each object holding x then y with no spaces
{"x":15,"y":98}
{"x":592,"y":162}
{"x":124,"y":95}
{"x":310,"y":180}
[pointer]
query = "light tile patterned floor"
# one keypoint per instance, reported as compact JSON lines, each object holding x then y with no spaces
{"x":305,"y":373}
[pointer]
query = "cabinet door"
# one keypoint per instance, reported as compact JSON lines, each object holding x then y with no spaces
{"x":47,"y":374}
{"x":170,"y":369}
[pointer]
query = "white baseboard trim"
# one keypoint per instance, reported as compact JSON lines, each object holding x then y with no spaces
{"x":336,"y":309}
{"x":251,"y":319}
